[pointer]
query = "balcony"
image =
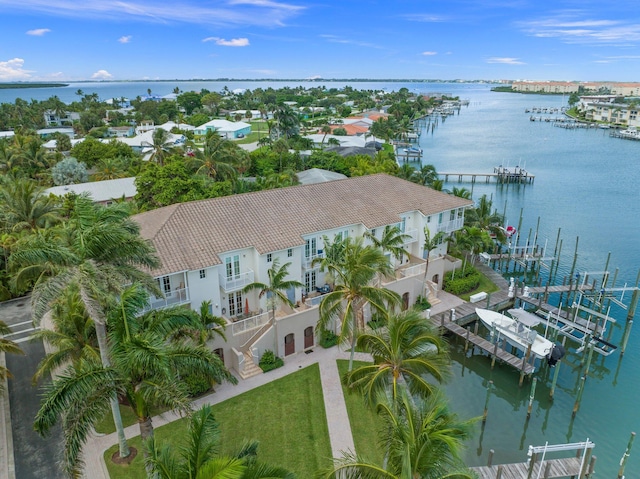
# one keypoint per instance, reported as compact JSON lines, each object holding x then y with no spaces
{"x":236,"y":282}
{"x":307,"y":261}
{"x":412,"y":236}
{"x":451,"y":226}
{"x":250,"y":323}
{"x":172,"y":298}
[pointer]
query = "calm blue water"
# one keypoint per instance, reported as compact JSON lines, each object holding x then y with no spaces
{"x":586,"y":185}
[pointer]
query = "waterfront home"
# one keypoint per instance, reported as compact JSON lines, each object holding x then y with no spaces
{"x":625,"y":114}
{"x":102,"y":192}
{"x":211,"y":249}
{"x":225,"y":128}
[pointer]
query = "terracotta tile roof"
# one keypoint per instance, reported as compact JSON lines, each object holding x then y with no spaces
{"x":351,"y":129}
{"x":190,"y":236}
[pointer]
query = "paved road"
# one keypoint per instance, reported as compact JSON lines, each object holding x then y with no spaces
{"x":35,"y":457}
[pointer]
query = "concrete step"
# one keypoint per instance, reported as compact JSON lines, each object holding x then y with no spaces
{"x":250,"y":369}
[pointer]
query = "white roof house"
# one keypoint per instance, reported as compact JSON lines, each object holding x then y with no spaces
{"x":225,"y":128}
{"x":344,"y":140}
{"x":102,"y":192}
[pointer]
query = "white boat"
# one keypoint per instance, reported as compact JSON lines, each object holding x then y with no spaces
{"x":517,"y":329}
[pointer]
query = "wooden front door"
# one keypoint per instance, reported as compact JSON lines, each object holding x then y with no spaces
{"x":289,"y":344}
{"x":308,"y":337}
{"x":405,"y":301}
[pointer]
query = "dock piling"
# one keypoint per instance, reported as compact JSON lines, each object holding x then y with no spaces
{"x":531,"y":396}
{"x":625,"y":456}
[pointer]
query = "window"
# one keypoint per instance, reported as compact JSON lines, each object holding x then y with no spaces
{"x":289,"y":252}
{"x":452,"y":215}
{"x":310,"y":281}
{"x":440,"y":218}
{"x":428,"y":219}
{"x":166,"y":284}
{"x":235,"y":303}
{"x":203,"y":274}
{"x":310,"y":248}
{"x":373,"y":232}
{"x":232,"y":266}
{"x":269,"y":257}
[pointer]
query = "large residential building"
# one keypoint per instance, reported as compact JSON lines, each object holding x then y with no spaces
{"x":211,"y":249}
{"x":225,"y":128}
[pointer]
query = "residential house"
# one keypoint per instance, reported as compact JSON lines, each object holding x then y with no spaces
{"x":120,"y":131}
{"x":225,"y":128}
{"x":211,"y":249}
{"x":65,"y":118}
{"x":45,"y":133}
{"x":102,"y":192}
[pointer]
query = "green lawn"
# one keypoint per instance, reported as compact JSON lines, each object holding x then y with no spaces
{"x":364,"y":422}
{"x":485,"y":285}
{"x":287,"y":416}
{"x":106,"y":426}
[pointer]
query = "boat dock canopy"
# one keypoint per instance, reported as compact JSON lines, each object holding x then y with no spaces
{"x":524,"y":317}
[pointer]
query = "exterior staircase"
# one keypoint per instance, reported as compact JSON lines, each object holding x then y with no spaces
{"x":250,"y":368}
{"x":432,"y":293}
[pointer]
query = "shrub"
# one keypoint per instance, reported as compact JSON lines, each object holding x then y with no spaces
{"x":462,"y":281}
{"x":328,"y":339}
{"x":422,"y":304}
{"x":196,"y":385}
{"x":270,"y":361}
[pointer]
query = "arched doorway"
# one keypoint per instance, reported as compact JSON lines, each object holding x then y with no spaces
{"x":289,"y":344}
{"x":405,"y":301}
{"x":308,"y":337}
{"x":220,"y":353}
{"x":435,"y":279}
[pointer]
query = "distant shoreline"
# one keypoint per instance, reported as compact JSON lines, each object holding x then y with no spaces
{"x":11,"y":86}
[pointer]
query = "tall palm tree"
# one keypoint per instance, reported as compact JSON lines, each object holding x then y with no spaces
{"x":473,"y":240}
{"x":422,"y":439}
{"x":161,"y":145}
{"x":483,"y":216}
{"x":198,"y":457}
{"x":276,"y":292}
{"x":354,"y":276}
{"x":404,"y":353}
{"x":147,"y":366}
{"x":9,"y":347}
{"x":287,"y":121}
{"x":326,"y":129}
{"x":98,"y":250}
{"x":461,"y":193}
{"x":429,"y":245}
{"x":218,"y":158}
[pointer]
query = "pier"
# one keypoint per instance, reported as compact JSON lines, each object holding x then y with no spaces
{"x":500,"y":174}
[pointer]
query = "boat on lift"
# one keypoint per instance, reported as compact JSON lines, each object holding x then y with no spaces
{"x":517,"y":329}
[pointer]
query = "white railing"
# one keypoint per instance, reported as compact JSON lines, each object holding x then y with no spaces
{"x":306,"y":262}
{"x":412,"y":270}
{"x":248,"y":324}
{"x":237,"y":281}
{"x":450,"y":226}
{"x":172,"y":298}
{"x":314,"y":301}
{"x":412,"y":236}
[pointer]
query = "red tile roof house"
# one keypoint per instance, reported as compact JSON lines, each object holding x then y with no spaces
{"x":211,"y":249}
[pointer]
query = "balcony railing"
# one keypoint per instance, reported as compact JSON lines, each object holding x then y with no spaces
{"x":248,"y":324}
{"x":236,"y":282}
{"x":412,"y":270}
{"x":451,"y":226}
{"x":172,"y":298}
{"x":412,"y":236}
{"x":306,"y":262}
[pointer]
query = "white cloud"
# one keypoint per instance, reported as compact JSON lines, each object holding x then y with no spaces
{"x":234,"y":42}
{"x":505,"y":61}
{"x":102,"y":75}
{"x":429,"y":54}
{"x":222,"y":13}
{"x":424,"y":17}
{"x":38,"y":32}
{"x":13,"y":70}
{"x":264,"y":72}
{"x":575,"y":27}
{"x":125,"y":38}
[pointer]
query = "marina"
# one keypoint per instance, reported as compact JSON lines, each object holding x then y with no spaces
{"x":501,"y":174}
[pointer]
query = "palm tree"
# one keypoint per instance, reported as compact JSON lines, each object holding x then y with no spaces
{"x":326,"y":129}
{"x":354,"y":289}
{"x":392,"y":241}
{"x":404,"y":353}
{"x":198,"y":457}
{"x":429,"y":245}
{"x":461,"y":193}
{"x":73,"y":335}
{"x":484,"y":218}
{"x":287,"y":121}
{"x":426,"y":176}
{"x":161,"y":145}
{"x":474,"y":240}
{"x":110,"y":168}
{"x":276,"y":292}
{"x":218,"y":158}
{"x":148,"y":363}
{"x":422,"y":439}
{"x":210,"y":325}
{"x":406,"y":172}
{"x":9,"y":347}
{"x":25,"y":206}
{"x":98,"y":251}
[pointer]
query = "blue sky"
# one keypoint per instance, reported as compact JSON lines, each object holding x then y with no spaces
{"x":429,"y":39}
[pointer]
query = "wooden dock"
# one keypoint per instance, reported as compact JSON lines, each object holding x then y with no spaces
{"x":568,"y":467}
{"x":500,"y":173}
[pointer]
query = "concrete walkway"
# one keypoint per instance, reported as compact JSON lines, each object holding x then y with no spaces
{"x":337,"y":419}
